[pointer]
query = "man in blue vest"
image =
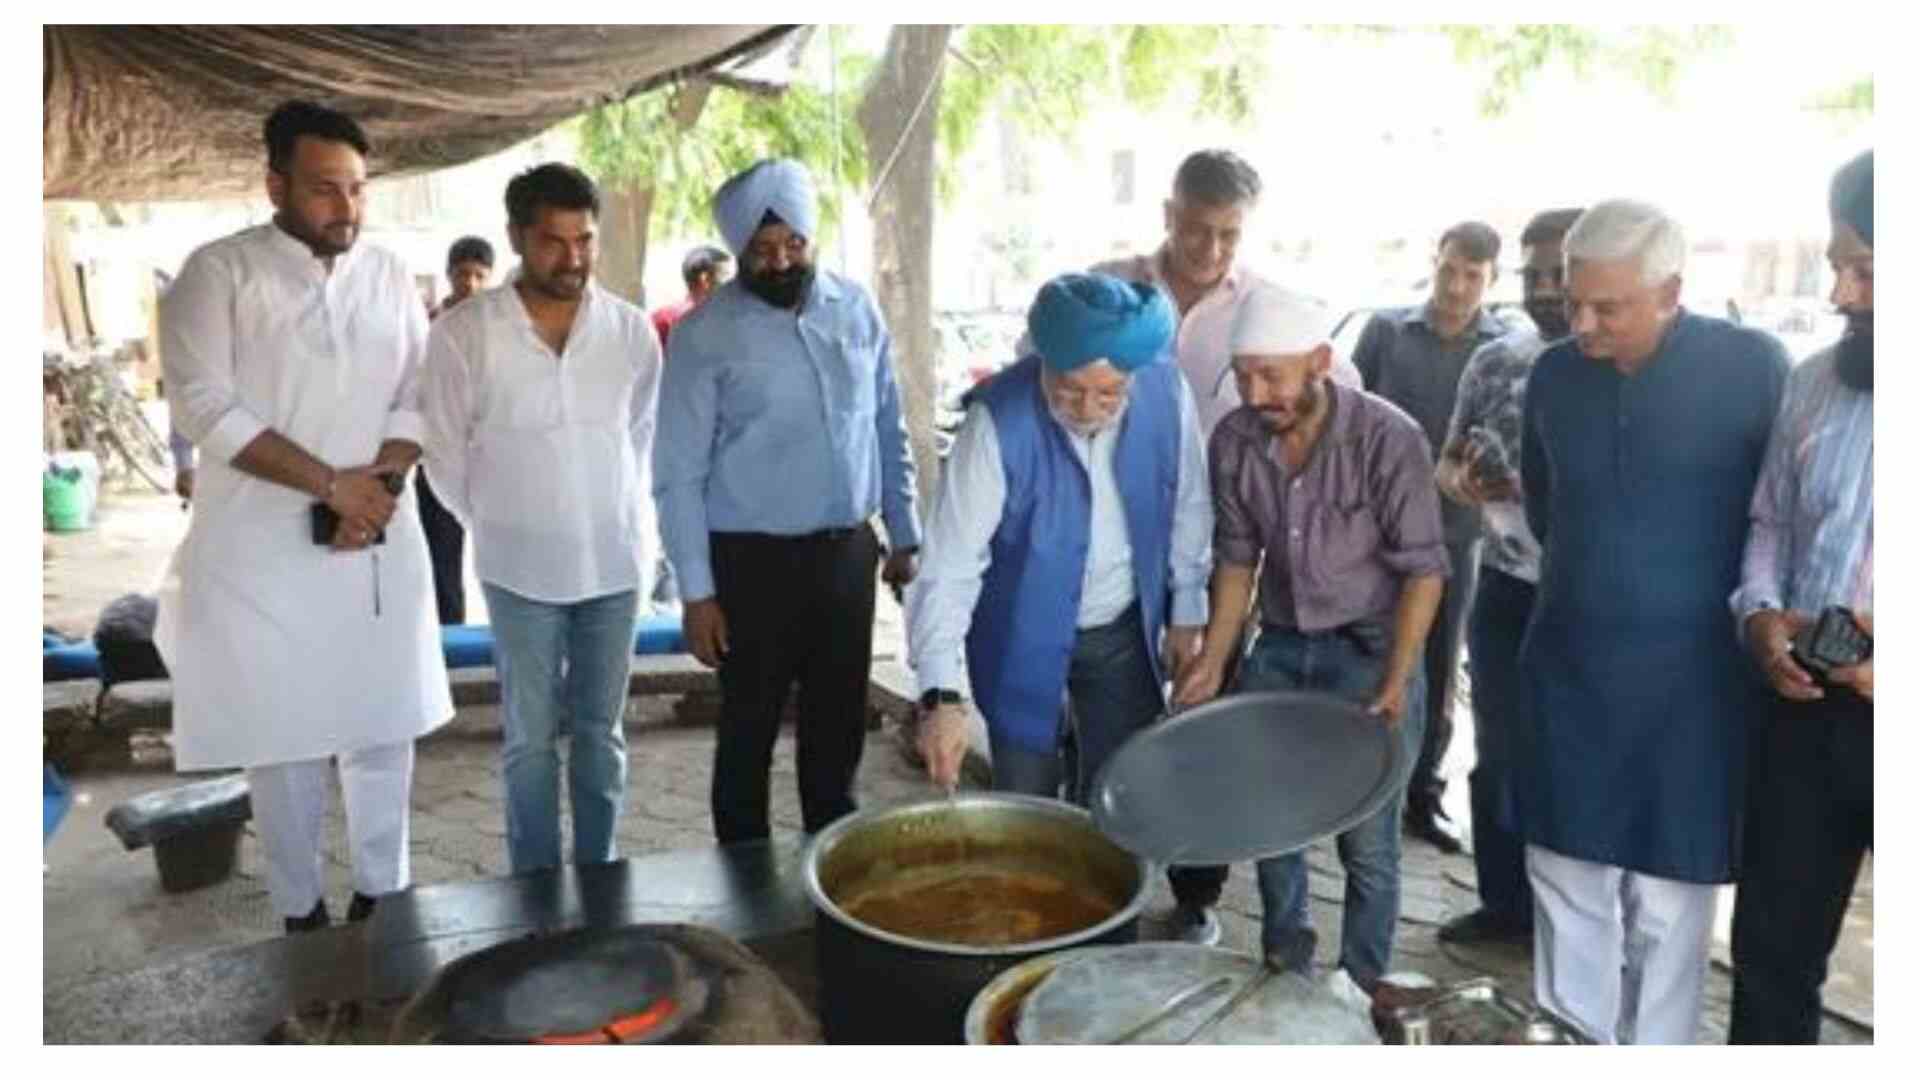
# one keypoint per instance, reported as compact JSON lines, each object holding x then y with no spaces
{"x":1070,"y":535}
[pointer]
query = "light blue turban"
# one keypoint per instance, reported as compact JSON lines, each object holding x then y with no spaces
{"x":781,"y":185}
{"x":1080,"y":318}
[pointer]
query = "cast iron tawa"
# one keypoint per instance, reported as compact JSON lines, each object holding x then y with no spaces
{"x":585,"y":985}
{"x":1248,"y":776}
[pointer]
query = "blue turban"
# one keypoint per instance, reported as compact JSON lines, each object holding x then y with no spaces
{"x":781,"y":185}
{"x":1852,"y":197}
{"x":1080,"y":318}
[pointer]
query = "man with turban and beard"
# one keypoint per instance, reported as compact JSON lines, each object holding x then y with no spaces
{"x":1810,"y":773}
{"x":1326,"y":493}
{"x":1070,"y":536}
{"x":780,"y":437}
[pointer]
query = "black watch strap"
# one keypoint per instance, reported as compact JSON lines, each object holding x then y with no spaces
{"x":939,"y":696}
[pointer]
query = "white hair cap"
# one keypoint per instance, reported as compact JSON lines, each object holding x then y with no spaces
{"x":1275,"y":322}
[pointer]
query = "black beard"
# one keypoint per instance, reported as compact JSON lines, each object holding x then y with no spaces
{"x":781,"y":288}
{"x":1551,"y":318}
{"x":1853,"y":360}
{"x":316,"y":242}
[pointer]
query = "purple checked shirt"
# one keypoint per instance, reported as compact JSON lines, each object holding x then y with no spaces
{"x":1341,"y":535}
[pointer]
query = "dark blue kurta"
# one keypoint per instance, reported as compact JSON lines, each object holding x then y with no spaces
{"x":1638,"y":487}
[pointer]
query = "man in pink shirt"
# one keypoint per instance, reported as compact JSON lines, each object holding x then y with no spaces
{"x":1214,"y":193}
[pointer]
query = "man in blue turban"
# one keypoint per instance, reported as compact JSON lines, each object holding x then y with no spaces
{"x":780,"y":438}
{"x":1069,"y":546}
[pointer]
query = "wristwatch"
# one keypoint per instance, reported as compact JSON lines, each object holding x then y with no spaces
{"x":938,"y":696}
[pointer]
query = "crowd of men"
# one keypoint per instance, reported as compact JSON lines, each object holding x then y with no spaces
{"x":1644,"y":521}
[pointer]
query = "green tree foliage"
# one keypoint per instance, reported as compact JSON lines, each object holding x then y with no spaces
{"x":634,"y":143}
{"x":1854,"y":101}
{"x":1512,"y":55}
{"x":1045,"y":77}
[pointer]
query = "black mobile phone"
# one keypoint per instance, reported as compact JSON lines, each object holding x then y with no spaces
{"x":1833,"y":640}
{"x":326,"y":522}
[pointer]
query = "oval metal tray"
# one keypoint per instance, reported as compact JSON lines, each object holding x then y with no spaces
{"x":1248,"y":776}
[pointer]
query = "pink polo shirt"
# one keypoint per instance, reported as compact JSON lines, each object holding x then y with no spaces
{"x":1202,"y":345}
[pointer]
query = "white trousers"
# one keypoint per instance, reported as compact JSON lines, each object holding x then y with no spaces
{"x":290,"y":812}
{"x":1622,"y":955}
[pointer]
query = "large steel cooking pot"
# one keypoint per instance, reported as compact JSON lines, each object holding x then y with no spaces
{"x":881,"y":987}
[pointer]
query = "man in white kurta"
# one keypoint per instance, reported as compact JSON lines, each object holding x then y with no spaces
{"x":292,"y":357}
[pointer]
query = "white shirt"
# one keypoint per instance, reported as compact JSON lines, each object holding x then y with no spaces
{"x":1203,"y":345}
{"x":281,"y":649}
{"x":967,"y":511}
{"x":547,"y":459}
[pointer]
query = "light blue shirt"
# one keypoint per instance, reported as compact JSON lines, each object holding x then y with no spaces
{"x":1811,"y":539}
{"x":777,"y":422}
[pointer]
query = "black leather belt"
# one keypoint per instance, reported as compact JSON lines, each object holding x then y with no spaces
{"x":818,"y":536}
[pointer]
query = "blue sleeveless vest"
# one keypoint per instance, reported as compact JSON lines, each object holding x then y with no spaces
{"x":1022,"y":635}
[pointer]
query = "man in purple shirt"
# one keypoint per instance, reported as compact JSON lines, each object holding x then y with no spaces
{"x":1334,"y":486}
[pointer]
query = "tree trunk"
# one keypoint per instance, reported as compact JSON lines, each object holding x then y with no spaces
{"x":627,"y":213}
{"x":903,"y":218}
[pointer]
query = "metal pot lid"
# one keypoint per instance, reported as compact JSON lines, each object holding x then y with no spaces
{"x":1248,"y":776}
{"x":1097,"y":997}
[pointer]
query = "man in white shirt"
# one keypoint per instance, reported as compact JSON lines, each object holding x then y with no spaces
{"x":540,"y":407}
{"x":1071,"y":533}
{"x":292,"y":359}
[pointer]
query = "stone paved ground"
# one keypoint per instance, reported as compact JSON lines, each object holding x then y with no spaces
{"x":104,"y":912}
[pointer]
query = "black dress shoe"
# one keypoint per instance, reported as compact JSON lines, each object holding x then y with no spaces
{"x":1481,"y":927}
{"x":317,"y":919}
{"x":361,"y":907}
{"x":1427,"y":827}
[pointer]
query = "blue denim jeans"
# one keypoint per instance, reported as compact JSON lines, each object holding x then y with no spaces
{"x":563,"y":670}
{"x":1348,"y":663}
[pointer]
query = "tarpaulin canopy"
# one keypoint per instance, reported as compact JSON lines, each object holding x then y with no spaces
{"x":174,"y":112}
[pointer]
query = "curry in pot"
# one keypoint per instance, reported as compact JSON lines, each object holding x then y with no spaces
{"x":978,"y":904}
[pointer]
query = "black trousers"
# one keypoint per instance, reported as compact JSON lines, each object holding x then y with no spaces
{"x":446,"y":544}
{"x":798,"y":609}
{"x":1809,"y":822}
{"x":1424,"y":787}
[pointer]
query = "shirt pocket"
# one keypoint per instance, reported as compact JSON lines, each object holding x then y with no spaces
{"x":1343,"y":536}
{"x":530,"y":402}
{"x":858,"y":365}
{"x":601,"y":395}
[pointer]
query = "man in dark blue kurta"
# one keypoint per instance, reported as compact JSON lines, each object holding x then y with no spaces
{"x":1641,"y":442}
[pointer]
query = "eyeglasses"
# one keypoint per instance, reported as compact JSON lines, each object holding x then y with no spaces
{"x":764,"y":251}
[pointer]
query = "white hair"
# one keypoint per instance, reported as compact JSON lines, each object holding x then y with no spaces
{"x":1621,"y":229}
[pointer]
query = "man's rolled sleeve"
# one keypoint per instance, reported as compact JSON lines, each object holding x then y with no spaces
{"x":196,"y":350}
{"x":1236,"y":536}
{"x":1412,"y":539}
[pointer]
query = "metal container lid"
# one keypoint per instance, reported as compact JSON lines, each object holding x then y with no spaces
{"x":1095,"y":996}
{"x":1248,"y":776}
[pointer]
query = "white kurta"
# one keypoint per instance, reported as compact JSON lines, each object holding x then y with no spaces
{"x":281,"y":649}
